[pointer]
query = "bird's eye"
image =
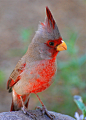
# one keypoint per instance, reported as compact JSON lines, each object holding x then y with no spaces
{"x":51,"y":43}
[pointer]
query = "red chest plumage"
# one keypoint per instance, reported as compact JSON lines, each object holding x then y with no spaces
{"x":46,"y":73}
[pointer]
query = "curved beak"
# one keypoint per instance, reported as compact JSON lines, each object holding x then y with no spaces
{"x":62,"y":46}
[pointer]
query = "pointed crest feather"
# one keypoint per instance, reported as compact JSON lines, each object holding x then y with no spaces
{"x":50,"y":17}
{"x":48,"y":29}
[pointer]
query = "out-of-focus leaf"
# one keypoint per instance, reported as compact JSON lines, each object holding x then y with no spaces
{"x":82,"y":60}
{"x":80,"y":104}
{"x":25,"y":34}
{"x":84,"y":112}
{"x":2,"y":77}
{"x":73,"y":38}
{"x":71,"y":49}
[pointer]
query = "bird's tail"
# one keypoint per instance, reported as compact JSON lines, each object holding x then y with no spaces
{"x":16,"y":101}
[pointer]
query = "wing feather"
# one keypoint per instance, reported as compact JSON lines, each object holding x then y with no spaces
{"x":15,"y":75}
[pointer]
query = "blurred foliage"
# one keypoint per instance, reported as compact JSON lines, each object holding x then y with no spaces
{"x":78,"y":100}
{"x":25,"y":36}
{"x":2,"y":77}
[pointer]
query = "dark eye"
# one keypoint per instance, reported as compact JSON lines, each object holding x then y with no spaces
{"x":51,"y":43}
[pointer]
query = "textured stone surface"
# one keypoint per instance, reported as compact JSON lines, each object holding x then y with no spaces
{"x":37,"y":115}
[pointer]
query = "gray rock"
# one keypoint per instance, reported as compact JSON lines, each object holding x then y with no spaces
{"x":37,"y":115}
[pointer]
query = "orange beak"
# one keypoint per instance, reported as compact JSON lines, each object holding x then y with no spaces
{"x":62,"y":46}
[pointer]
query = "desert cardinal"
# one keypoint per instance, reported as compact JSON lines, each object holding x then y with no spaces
{"x":36,"y":70}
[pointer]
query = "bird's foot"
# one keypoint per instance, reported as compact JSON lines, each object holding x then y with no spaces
{"x":25,"y":111}
{"x":45,"y":111}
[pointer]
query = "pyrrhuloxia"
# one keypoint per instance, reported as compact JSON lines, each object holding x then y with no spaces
{"x":36,"y":70}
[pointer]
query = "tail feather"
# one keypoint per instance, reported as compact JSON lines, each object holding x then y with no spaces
{"x":12,"y":106}
{"x":16,"y":101}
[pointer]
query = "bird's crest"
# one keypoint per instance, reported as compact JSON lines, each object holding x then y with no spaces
{"x":48,"y":28}
{"x":49,"y":21}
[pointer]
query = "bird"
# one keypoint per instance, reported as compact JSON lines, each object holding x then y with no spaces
{"x":36,"y":70}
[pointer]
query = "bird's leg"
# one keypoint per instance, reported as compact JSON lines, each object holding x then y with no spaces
{"x":44,"y":109}
{"x":24,"y":109}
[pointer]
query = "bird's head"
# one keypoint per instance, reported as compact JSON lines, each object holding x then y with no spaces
{"x":48,"y":37}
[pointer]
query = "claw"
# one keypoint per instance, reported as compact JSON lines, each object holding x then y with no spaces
{"x":26,"y":112}
{"x":45,"y":111}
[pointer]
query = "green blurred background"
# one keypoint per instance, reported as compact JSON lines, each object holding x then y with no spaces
{"x":19,"y":20}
